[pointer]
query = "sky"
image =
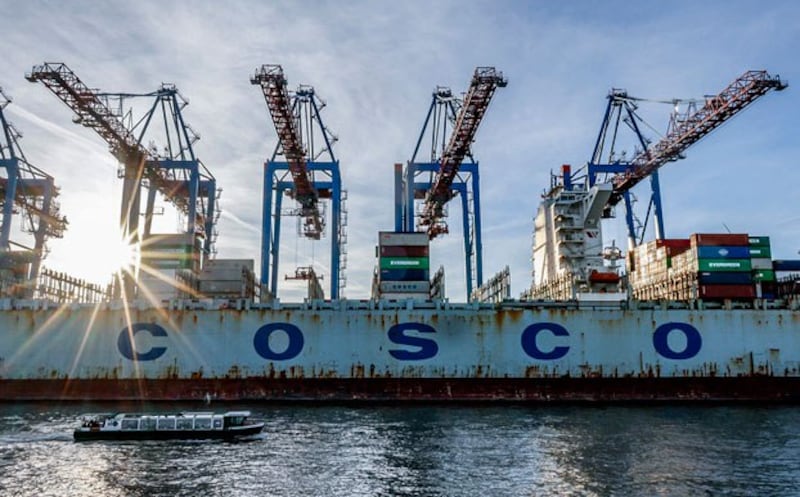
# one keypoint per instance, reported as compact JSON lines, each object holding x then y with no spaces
{"x":375,"y":64}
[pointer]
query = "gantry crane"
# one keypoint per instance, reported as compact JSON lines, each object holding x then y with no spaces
{"x":28,"y":190}
{"x":175,"y":173}
{"x":684,"y":130}
{"x":297,"y":120}
{"x":445,"y":174}
{"x":484,"y":82}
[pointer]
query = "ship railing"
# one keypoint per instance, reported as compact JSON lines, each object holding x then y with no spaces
{"x":344,"y":305}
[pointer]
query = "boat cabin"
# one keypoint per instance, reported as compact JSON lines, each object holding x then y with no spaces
{"x":158,"y":426}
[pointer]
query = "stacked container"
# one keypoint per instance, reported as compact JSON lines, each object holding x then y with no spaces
{"x":707,"y":266}
{"x":650,"y":266}
{"x":723,"y":266}
{"x":227,"y":279}
{"x":761,"y":264}
{"x":404,"y":262}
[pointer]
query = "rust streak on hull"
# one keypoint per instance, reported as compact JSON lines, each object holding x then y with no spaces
{"x":515,"y":390}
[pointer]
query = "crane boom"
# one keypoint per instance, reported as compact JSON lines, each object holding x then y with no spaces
{"x":687,"y":129}
{"x":484,"y":82}
{"x":93,"y":113}
{"x":274,"y":86}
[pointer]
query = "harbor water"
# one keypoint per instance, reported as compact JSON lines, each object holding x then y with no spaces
{"x":416,"y":451}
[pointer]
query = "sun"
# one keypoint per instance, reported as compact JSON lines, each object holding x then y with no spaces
{"x":123,"y":255}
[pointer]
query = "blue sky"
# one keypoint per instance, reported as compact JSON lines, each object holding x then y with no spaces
{"x":375,"y":64}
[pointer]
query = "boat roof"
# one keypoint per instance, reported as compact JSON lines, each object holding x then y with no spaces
{"x":106,"y":415}
{"x":237,"y":413}
{"x":96,"y":415}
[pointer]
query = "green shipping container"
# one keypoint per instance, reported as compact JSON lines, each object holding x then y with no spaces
{"x":759,"y":241}
{"x":724,"y":265}
{"x":764,"y":275}
{"x":405,"y":262}
{"x":760,"y":252}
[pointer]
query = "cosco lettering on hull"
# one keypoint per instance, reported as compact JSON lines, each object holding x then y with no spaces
{"x":416,"y":341}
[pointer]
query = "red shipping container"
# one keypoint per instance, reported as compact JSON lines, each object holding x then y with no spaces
{"x":674,"y":246}
{"x":404,"y":251}
{"x":719,"y":239}
{"x":727,"y":292}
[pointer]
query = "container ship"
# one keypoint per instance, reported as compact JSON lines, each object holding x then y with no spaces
{"x":710,"y":317}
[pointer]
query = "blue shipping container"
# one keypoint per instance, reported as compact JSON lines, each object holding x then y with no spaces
{"x":724,"y":278}
{"x":786,"y":265}
{"x":405,"y":274}
{"x":727,"y":252}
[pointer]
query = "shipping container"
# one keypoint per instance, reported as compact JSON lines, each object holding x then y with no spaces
{"x":724,"y":239}
{"x":767,"y":288}
{"x":171,"y":251}
{"x":404,"y":263}
{"x":405,"y":275}
{"x":758,"y":241}
{"x":405,"y":296}
{"x":392,"y":238}
{"x":404,"y":251}
{"x":727,"y":291}
{"x":723,"y":252}
{"x":724,"y":278}
{"x":216,"y":287}
{"x":674,"y":246}
{"x":761,"y":263}
{"x":782,"y":265}
{"x":724,"y":265}
{"x":764,"y":275}
{"x":760,"y":252}
{"x":404,"y":286}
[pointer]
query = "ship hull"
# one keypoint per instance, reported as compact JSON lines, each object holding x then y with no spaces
{"x":346,"y":351}
{"x":416,"y":390}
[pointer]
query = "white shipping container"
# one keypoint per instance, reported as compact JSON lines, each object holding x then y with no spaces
{"x":761,"y":263}
{"x":224,"y":274}
{"x":405,"y":296}
{"x":220,"y":286}
{"x":405,"y":286}
{"x":411,"y":239}
{"x":219,"y":264}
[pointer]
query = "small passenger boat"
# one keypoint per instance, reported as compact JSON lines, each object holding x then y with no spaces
{"x":180,"y":426}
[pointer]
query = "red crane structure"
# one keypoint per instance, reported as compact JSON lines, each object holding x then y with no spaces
{"x":685,"y":129}
{"x":178,"y":175}
{"x":276,"y":92}
{"x":484,"y":82}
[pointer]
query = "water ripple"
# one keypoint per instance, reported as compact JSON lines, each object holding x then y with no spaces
{"x":419,"y":451}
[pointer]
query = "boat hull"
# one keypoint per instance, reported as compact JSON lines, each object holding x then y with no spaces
{"x":247,"y":431}
{"x":345,"y":351}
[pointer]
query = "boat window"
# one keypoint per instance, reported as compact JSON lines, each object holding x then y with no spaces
{"x":235,"y":420}
{"x":166,"y":423}
{"x":130,"y":424}
{"x":184,"y":423}
{"x":148,"y":423}
{"x":217,"y":423}
{"x":202,"y":423}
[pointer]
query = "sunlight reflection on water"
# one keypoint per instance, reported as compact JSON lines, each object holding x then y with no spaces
{"x":416,"y":451}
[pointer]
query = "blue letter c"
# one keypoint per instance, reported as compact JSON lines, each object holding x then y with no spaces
{"x":532,"y":349}
{"x":125,"y":342}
